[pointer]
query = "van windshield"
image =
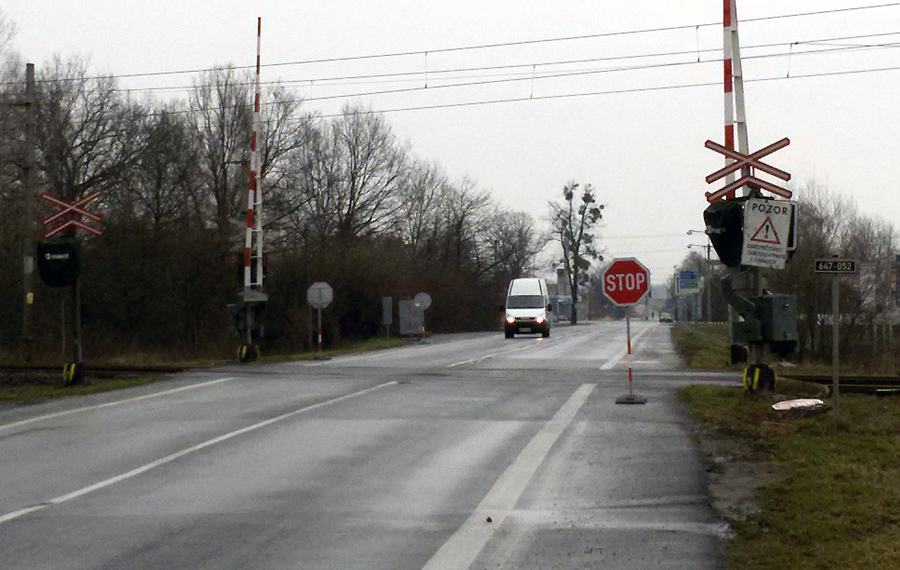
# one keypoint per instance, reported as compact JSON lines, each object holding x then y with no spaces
{"x":525,"y":302}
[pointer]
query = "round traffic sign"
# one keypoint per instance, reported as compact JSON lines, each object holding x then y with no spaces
{"x":319,"y":295}
{"x":626,"y":281}
{"x":422,"y":301}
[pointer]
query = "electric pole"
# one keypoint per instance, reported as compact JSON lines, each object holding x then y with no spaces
{"x":28,"y":238}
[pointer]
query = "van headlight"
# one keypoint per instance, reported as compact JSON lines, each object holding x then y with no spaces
{"x":539,"y":319}
{"x":510,"y":320}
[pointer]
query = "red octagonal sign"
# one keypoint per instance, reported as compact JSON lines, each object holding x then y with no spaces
{"x":626,"y":281}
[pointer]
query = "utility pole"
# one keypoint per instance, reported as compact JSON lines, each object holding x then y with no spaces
{"x":756,"y":350}
{"x":768,"y":318}
{"x":28,"y":239}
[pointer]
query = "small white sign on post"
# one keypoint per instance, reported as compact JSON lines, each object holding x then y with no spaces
{"x":319,"y":295}
{"x":767,"y":226}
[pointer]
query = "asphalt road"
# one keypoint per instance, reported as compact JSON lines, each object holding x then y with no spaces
{"x":462,"y":451}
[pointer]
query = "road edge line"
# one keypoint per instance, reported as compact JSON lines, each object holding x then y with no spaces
{"x":464,"y":545}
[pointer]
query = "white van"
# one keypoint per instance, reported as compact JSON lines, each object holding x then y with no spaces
{"x":527,"y":307}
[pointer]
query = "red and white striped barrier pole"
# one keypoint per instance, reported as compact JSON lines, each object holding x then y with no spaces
{"x":254,"y":190}
{"x":630,"y":375}
{"x":728,"y":70}
{"x":256,"y":142}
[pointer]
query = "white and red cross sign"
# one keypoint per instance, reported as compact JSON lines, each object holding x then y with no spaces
{"x":748,"y":160}
{"x":72,"y":215}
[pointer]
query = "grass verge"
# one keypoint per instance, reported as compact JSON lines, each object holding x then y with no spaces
{"x":37,"y":386}
{"x":702,"y":345}
{"x":835,"y":501}
{"x":36,"y":391}
{"x":349,"y":348}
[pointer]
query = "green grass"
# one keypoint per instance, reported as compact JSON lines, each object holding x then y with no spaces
{"x":703,"y":346}
{"x":33,"y":393}
{"x":836,"y":501}
{"x":379,"y":343}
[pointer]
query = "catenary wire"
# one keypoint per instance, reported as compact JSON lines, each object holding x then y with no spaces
{"x":580,"y":73}
{"x":407,"y":76}
{"x":505,"y":44}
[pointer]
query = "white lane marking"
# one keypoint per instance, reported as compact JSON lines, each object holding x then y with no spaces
{"x":341,"y":359}
{"x":178,"y":454}
{"x":543,"y":342}
{"x":463,"y":546}
{"x":615,"y":359}
{"x":111,"y":404}
{"x":487,"y":356}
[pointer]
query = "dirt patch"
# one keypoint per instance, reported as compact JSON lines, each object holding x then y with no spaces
{"x":734,"y":474}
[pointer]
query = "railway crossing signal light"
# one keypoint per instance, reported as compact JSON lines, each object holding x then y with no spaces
{"x":59,"y":262}
{"x":725,"y":228}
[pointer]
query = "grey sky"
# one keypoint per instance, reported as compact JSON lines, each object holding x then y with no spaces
{"x":633,"y":133}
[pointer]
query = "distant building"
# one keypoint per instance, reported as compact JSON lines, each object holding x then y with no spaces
{"x":561,"y":298}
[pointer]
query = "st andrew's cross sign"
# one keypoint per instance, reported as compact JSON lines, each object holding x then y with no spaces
{"x":72,"y":215}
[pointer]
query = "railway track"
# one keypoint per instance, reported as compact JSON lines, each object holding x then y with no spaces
{"x":18,"y":375}
{"x":99,"y":368}
{"x":878,"y":385}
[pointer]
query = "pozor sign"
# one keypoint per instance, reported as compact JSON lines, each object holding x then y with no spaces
{"x":626,"y":281}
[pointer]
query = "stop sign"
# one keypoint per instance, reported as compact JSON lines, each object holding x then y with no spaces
{"x":626,"y":281}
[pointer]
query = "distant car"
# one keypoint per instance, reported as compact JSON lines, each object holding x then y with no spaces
{"x":665,"y":318}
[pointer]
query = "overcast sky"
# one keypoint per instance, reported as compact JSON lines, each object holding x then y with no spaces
{"x":535,"y":109}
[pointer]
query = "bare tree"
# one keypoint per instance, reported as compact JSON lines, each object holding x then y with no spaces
{"x":514,"y":243}
{"x":284,"y":131}
{"x":830,"y":224}
{"x":464,"y":216}
{"x":424,"y":189}
{"x":7,"y":33}
{"x":162,"y":186}
{"x":88,"y":134}
{"x":220,"y":114}
{"x":572,"y":224}
{"x":349,"y":176}
{"x":371,"y":162}
{"x":313,"y":176}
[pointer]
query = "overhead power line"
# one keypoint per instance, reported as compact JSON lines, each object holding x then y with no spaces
{"x":580,"y":37}
{"x":559,"y":96}
{"x":487,"y":46}
{"x":613,"y":92}
{"x":529,"y":70}
{"x":569,"y":74}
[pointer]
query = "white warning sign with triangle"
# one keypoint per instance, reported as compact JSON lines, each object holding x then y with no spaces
{"x":767,"y":225}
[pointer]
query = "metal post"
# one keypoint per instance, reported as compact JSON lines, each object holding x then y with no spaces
{"x":320,"y":330}
{"x":76,"y":321}
{"x":630,"y":374}
{"x":28,"y":241}
{"x":630,"y":398}
{"x":706,"y":286}
{"x":835,"y":342}
{"x":62,"y":327}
